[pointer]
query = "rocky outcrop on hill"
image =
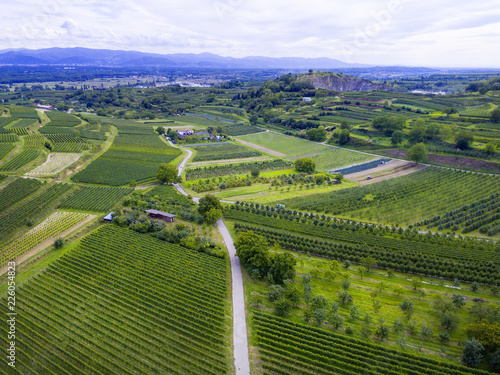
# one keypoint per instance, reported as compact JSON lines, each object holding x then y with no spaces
{"x":341,"y":83}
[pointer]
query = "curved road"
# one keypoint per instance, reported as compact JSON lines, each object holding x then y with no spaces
{"x":240,"y":340}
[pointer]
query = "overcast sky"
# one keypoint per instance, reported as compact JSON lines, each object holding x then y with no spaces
{"x":453,"y":33}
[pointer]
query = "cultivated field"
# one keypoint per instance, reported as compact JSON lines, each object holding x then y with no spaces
{"x":55,"y":163}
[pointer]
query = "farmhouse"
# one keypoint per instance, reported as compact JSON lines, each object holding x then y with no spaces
{"x":307,"y":99}
{"x":185,"y":132}
{"x":155,"y":214}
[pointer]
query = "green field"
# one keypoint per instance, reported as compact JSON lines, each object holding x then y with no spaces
{"x":95,"y":198}
{"x":223,"y":151}
{"x":326,"y":158}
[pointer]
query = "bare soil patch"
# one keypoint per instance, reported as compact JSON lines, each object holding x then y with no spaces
{"x":452,"y":161}
{"x":260,"y":148}
{"x":386,"y":172}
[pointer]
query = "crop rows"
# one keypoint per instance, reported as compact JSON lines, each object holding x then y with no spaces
{"x":470,"y":216}
{"x":293,"y":348}
{"x":62,"y":119}
{"x":51,"y":227}
{"x":20,"y":160}
{"x":55,"y":163}
{"x":34,"y":141}
{"x":23,"y":112}
{"x":17,"y":191}
{"x":130,"y":158}
{"x":95,"y":198}
{"x":22,"y":123}
{"x":406,"y":256}
{"x":235,"y":130}
{"x":403,"y":260}
{"x":221,"y":152}
{"x":428,"y":192}
{"x":19,"y":131}
{"x":360,"y":167}
{"x":8,"y":138}
{"x":29,"y":210}
{"x":124,"y":303}
{"x":5,"y":149}
{"x":232,"y":169}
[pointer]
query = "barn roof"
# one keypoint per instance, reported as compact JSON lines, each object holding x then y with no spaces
{"x":161,"y":213}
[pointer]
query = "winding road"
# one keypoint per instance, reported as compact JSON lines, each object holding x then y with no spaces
{"x":240,"y":339}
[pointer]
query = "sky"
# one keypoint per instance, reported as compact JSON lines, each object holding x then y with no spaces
{"x":433,"y":33}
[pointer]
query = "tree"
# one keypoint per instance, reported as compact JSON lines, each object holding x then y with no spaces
{"x":355,"y":313}
{"x":345,"y":298}
{"x":449,"y":321}
{"x":282,"y":306}
{"x":408,"y":307}
{"x":253,"y":119}
{"x":276,"y":293}
{"x":490,"y":148}
{"x":305,"y":165}
{"x":397,"y":137}
{"x":398,"y":289}
{"x":213,"y":215}
{"x":335,"y":320}
{"x":317,"y":135}
{"x":319,"y":302}
{"x":344,"y":136}
{"x":389,"y":124}
{"x":463,"y":140}
{"x":282,"y":267}
{"x":417,"y":134}
{"x":320,"y":315}
{"x":59,"y":243}
{"x":382,"y":332}
{"x":255,"y":172}
{"x":450,"y":111}
{"x":160,"y":130}
{"x":369,"y":262}
{"x":471,"y":354}
{"x":418,"y":153}
{"x":494,"y":359}
{"x":495,"y":116}
{"x":167,"y":174}
{"x":426,"y":332}
{"x":458,"y":300}
{"x":376,"y":305}
{"x":252,"y":250}
{"x":207,"y":203}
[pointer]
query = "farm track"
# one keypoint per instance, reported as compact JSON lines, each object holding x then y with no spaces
{"x":240,"y":339}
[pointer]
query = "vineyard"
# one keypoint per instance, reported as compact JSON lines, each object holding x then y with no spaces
{"x":221,"y":152}
{"x":429,"y":192}
{"x":132,"y":157}
{"x":17,"y":191}
{"x":50,"y":228}
{"x":293,"y":348}
{"x":9,"y":138}
{"x":235,"y":169}
{"x":465,"y":260}
{"x":5,"y":149}
{"x":23,"y":112}
{"x":147,"y":307}
{"x":95,"y":198}
{"x":20,"y":160}
{"x":62,"y":119}
{"x":28,"y":211}
{"x":55,"y":163}
{"x":67,"y":143}
{"x":34,"y":141}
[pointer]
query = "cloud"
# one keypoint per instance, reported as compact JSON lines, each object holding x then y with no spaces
{"x":437,"y":32}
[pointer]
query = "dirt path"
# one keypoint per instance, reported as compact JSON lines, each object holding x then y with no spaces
{"x":227,"y":161}
{"x":261,"y":148}
{"x":28,"y":254}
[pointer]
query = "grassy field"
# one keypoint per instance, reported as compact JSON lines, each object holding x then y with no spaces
{"x":326,"y":157}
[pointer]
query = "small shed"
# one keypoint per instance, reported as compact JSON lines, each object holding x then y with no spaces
{"x":165,"y":216}
{"x":109,"y":217}
{"x":307,"y":99}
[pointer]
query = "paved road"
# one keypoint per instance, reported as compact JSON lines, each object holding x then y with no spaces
{"x":240,"y":340}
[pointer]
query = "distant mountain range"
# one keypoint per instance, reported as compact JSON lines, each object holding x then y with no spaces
{"x":111,"y":58}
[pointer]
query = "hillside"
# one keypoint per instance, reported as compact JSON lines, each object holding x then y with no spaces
{"x":339,"y":82}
